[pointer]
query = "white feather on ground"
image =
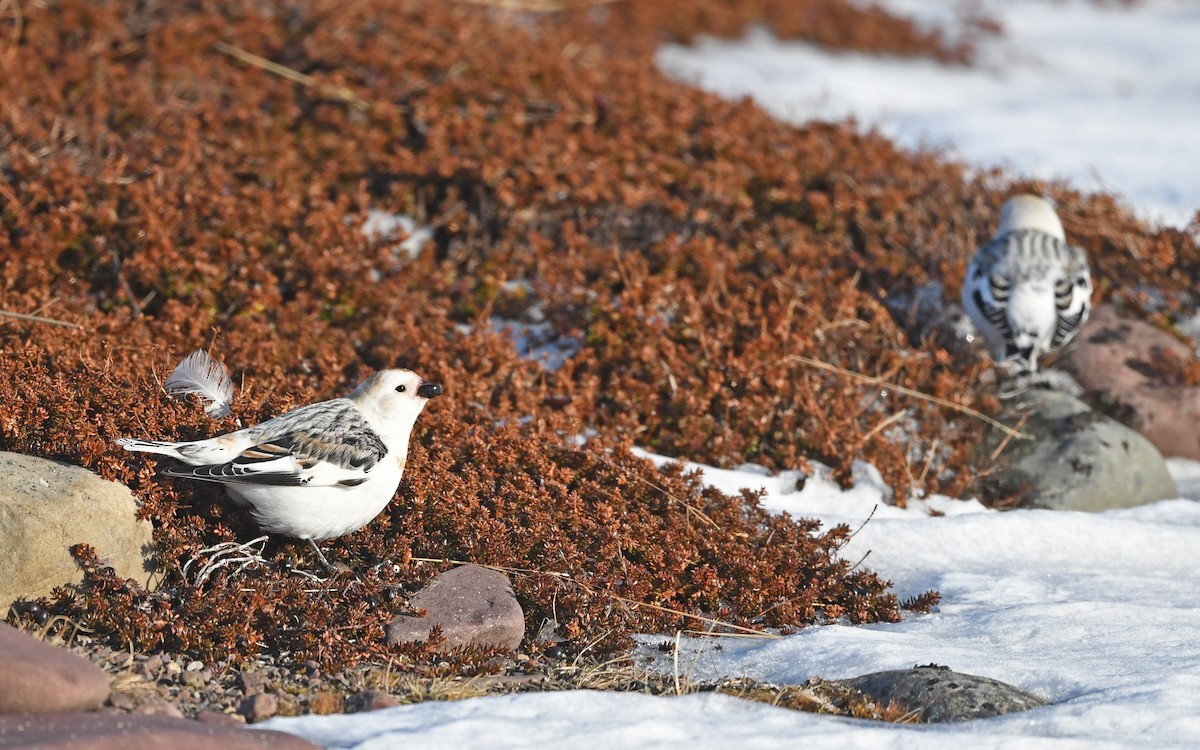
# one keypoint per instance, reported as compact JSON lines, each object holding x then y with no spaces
{"x":203,"y":375}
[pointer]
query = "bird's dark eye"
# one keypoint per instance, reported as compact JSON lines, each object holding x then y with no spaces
{"x":401,"y":388}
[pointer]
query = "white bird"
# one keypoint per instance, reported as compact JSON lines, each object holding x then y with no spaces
{"x":1027,"y":291}
{"x":319,"y":471}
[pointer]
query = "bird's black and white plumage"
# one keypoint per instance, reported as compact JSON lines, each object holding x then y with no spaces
{"x":1027,"y":291}
{"x":319,"y":471}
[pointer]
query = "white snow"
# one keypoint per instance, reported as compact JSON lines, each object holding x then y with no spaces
{"x":1103,"y":96}
{"x":1098,"y":613}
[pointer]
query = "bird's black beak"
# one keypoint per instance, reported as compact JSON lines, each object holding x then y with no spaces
{"x":428,"y":390}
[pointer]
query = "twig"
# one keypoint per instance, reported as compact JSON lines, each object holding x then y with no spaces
{"x":881,"y":426}
{"x":686,"y":505}
{"x":866,"y":520}
{"x":1004,"y":443}
{"x":223,"y":554}
{"x":709,"y":620}
{"x":541,"y":6}
{"x":861,"y":560}
{"x":76,"y":628}
{"x":501,"y":568}
{"x":340,"y":93}
{"x":39,"y":319}
{"x":929,"y":461}
{"x":880,"y":382}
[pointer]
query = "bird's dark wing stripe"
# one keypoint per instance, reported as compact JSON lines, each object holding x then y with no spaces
{"x":995,"y":315}
{"x":230,"y":474}
{"x":1066,"y":327}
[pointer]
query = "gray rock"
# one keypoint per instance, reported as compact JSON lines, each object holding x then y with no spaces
{"x":471,"y":604}
{"x":90,"y":731}
{"x":46,"y":507}
{"x":36,"y":677}
{"x":938,"y":694}
{"x":1077,"y":459}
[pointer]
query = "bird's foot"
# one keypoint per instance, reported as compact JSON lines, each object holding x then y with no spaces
{"x":329,"y":568}
{"x":1051,"y":380}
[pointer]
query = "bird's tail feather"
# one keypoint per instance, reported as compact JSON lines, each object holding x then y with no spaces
{"x":151,"y":446}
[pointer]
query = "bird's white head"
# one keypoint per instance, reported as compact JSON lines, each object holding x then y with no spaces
{"x":1029,"y":212}
{"x":394,"y":396}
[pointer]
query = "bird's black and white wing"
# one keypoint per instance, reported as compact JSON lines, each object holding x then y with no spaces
{"x":986,"y":291}
{"x":324,"y":444}
{"x":1022,"y":262}
{"x":1072,"y":298}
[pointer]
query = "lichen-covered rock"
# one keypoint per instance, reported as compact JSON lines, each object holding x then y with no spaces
{"x":1076,"y":460}
{"x":1140,"y":375}
{"x":47,"y":507}
{"x":36,"y":677}
{"x":471,"y":604}
{"x":938,"y":694}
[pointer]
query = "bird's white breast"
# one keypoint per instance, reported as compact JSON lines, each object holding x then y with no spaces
{"x":322,"y":512}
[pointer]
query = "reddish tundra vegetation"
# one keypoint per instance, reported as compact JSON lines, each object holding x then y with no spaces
{"x":163,"y":191}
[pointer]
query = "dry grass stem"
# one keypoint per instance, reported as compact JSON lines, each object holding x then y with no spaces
{"x":339,"y":93}
{"x":541,"y":6}
{"x":1004,"y":443}
{"x":881,"y":383}
{"x":39,"y":319}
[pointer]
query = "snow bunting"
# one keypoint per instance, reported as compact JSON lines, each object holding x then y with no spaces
{"x":1027,"y":291}
{"x":319,"y":471}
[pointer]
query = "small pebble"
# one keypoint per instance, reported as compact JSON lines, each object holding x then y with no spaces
{"x":195,"y":666}
{"x":121,"y":659}
{"x":369,"y":700}
{"x":220,"y":719}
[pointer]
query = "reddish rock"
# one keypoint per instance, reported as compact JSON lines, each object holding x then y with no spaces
{"x":86,"y":731}
{"x":36,"y":677}
{"x":252,"y":683}
{"x":1138,"y":374}
{"x":471,"y":604}
{"x":259,"y":707}
{"x":369,"y":700}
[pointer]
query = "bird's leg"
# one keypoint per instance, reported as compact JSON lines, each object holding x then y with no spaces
{"x":328,"y":566}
